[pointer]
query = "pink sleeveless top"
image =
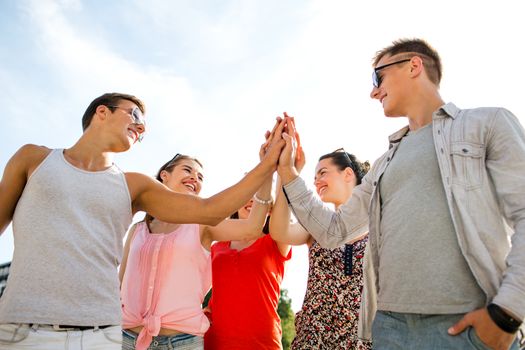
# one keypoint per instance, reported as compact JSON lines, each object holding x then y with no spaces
{"x":167,"y":276}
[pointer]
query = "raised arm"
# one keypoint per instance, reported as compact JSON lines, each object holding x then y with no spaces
{"x":16,"y":173}
{"x":330,"y":228}
{"x":150,"y":196}
{"x":241,"y":229}
{"x":281,"y":228}
{"x":250,"y":228}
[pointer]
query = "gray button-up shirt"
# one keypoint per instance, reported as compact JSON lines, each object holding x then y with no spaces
{"x":481,"y":156}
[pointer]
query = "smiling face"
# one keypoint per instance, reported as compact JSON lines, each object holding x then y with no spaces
{"x":407,"y":73}
{"x":120,"y":125}
{"x":394,"y":84}
{"x":138,"y":128}
{"x":185,"y":177}
{"x":333,"y":185}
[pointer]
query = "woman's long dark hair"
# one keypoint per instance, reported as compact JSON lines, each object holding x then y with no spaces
{"x":343,"y":160}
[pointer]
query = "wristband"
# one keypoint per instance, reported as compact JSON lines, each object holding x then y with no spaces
{"x":262,"y":201}
{"x":503,"y":320}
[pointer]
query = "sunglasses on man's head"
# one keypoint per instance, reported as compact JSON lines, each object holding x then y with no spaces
{"x":376,"y":77}
{"x":137,"y":116}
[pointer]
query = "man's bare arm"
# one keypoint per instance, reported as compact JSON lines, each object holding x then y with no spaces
{"x":156,"y":199}
{"x":14,"y":179}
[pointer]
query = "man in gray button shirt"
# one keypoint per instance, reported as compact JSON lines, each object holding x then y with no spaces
{"x":445,"y":210}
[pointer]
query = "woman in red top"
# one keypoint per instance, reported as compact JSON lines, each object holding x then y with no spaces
{"x":246,"y":280}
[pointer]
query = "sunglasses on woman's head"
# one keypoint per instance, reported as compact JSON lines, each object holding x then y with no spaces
{"x":342,"y":150}
{"x":173,"y":160}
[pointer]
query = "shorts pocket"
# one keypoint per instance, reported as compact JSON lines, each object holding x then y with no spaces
{"x":113,"y":334}
{"x":128,"y":340}
{"x":11,"y":333}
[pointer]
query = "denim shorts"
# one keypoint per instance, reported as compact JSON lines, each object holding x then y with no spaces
{"x":164,"y":342}
{"x":403,"y":331}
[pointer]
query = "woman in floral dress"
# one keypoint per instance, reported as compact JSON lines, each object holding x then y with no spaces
{"x":329,"y":315}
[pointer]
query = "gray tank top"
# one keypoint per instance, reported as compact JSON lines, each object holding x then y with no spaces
{"x":68,"y":229}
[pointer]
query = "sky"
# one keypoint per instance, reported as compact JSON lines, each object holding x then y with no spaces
{"x":215,"y":74}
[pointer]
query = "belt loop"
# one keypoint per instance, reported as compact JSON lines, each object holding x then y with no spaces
{"x":96,"y":329}
{"x":34,"y":326}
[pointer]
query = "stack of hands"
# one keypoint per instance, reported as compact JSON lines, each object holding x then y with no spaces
{"x":282,"y":149}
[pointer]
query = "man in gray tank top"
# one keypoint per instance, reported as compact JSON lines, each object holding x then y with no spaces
{"x":445,"y":211}
{"x":70,"y":210}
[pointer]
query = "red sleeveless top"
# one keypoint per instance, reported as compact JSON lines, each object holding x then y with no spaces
{"x":246,"y":289}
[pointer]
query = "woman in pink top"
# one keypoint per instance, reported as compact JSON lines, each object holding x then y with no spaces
{"x":166,"y":269}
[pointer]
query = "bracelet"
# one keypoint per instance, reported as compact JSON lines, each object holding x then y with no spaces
{"x":503,"y":320}
{"x":262,"y":201}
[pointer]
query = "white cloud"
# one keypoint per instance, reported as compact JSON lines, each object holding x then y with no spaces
{"x":236,"y":65}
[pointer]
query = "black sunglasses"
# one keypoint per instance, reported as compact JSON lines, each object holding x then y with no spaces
{"x":342,"y":150}
{"x":172,"y":160}
{"x":376,"y":78}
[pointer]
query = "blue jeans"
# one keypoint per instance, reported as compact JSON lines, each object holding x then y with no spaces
{"x":392,"y":330}
{"x":162,"y":342}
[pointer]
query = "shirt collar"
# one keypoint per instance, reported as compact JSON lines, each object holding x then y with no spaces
{"x":448,"y":109}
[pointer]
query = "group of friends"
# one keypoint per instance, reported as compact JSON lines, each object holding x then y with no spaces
{"x":422,"y":250}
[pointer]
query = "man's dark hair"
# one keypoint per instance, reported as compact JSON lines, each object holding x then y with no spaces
{"x":109,"y":99}
{"x":418,"y":47}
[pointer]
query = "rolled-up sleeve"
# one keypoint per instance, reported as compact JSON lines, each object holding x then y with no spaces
{"x":330,"y":228}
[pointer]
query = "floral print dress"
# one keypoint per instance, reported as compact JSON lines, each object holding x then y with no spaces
{"x":328,"y":317}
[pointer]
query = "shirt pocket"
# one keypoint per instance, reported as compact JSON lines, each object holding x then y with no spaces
{"x":467,"y":160}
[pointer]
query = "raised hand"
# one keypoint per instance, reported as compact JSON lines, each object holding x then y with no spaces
{"x":286,"y":167}
{"x":268,"y":136}
{"x":300,"y":160}
{"x":271,"y":150}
